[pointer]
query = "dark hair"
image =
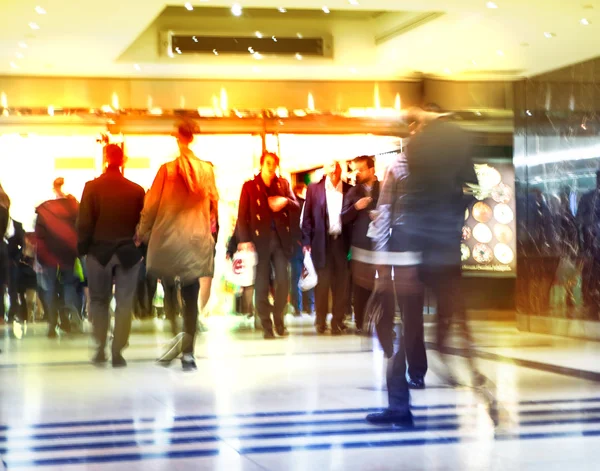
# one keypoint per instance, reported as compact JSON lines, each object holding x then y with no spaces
{"x":269,"y":154}
{"x":187,"y":129}
{"x":366,"y":158}
{"x":114,"y":155}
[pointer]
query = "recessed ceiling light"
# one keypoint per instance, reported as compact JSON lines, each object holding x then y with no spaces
{"x":19,"y":55}
{"x":585,"y":21}
{"x":251,"y":50}
{"x":13,"y":65}
{"x":258,"y":34}
{"x":40,"y":10}
{"x":491,"y":5}
{"x":299,"y":57}
{"x":236,"y":9}
{"x":195,"y":39}
{"x":499,"y":52}
{"x":299,"y":35}
{"x":549,"y":35}
{"x":257,"y":55}
{"x":189,"y":6}
{"x":23,"y":45}
{"x":34,"y":25}
{"x":529,"y":113}
{"x":137,"y":67}
{"x":274,"y":38}
{"x":256,"y":69}
{"x":447,"y":71}
{"x":326,"y":10}
{"x":215,"y":52}
{"x":353,"y":2}
{"x":282,"y":10}
{"x":177,"y":50}
{"x":353,"y":70}
{"x":474,"y":62}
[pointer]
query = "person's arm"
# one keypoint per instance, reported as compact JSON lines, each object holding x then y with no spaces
{"x":307,"y":219}
{"x":293,"y":204}
{"x":151,"y":205}
{"x":243,"y":221}
{"x":86,"y":222}
{"x":349,"y":207}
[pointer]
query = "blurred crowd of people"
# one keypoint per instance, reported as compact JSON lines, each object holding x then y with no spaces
{"x":375,"y":246}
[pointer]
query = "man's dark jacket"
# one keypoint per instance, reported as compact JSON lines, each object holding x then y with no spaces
{"x":256,"y":221}
{"x":315,"y":222}
{"x":108,"y":215}
{"x":358,"y":221}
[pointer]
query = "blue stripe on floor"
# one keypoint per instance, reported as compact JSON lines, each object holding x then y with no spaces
{"x":290,"y":448}
{"x":258,"y":436}
{"x":189,"y":418}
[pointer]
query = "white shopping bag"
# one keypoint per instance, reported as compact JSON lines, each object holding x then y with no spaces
{"x":309,"y":279}
{"x":243,"y":268}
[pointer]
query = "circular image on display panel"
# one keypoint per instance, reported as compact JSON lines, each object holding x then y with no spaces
{"x":465,"y":253}
{"x":482,"y":233}
{"x":503,"y":213}
{"x":466,"y":214}
{"x":488,"y":177}
{"x":503,"y":233}
{"x":466,"y":233}
{"x":482,"y":253}
{"x":504,"y":253}
{"x":482,"y":212}
{"x":502,"y":193}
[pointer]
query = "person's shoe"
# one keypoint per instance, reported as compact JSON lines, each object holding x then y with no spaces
{"x":391,"y":417}
{"x":118,"y":361}
{"x":338,"y":329}
{"x":99,"y":357}
{"x":188,"y":363}
{"x":416,"y":383}
{"x":282,"y":331}
{"x":321,"y":329}
{"x":268,"y":335}
{"x":52,"y":333}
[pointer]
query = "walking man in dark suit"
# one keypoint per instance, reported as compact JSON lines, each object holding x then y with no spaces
{"x":324,"y":236}
{"x":108,"y":215}
{"x":264,"y":225}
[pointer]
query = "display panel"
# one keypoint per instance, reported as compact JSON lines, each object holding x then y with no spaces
{"x":489,"y":241}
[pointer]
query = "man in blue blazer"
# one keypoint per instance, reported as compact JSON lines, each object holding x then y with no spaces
{"x":328,"y":241}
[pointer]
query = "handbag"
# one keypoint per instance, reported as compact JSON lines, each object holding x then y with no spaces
{"x":242,"y":270}
{"x":309,"y":278}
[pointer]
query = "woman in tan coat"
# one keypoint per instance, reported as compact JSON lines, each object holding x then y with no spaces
{"x":176,"y":226}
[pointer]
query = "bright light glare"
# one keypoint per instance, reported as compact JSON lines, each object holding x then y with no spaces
{"x":40,"y":10}
{"x":33,"y":25}
{"x":189,"y":6}
{"x":491,"y":5}
{"x":236,"y":9}
{"x":326,"y":10}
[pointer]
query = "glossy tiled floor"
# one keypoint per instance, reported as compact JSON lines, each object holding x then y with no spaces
{"x":292,"y":404}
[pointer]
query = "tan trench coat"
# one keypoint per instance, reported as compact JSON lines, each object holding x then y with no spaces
{"x":176,"y":221}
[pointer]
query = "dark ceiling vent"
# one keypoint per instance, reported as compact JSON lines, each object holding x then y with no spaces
{"x":237,"y":45}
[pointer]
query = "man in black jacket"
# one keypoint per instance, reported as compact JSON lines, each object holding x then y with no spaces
{"x":109,"y":213}
{"x":264,"y":225}
{"x":328,"y":241}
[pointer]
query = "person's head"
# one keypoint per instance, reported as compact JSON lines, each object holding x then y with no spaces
{"x":269,"y":162}
{"x":417,"y":118}
{"x":365,"y":169}
{"x":333,"y":170}
{"x":184,"y":132}
{"x":300,"y":190}
{"x":57,"y":187}
{"x":115,"y":158}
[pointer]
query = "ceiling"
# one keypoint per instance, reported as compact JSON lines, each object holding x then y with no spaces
{"x":377,"y":39}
